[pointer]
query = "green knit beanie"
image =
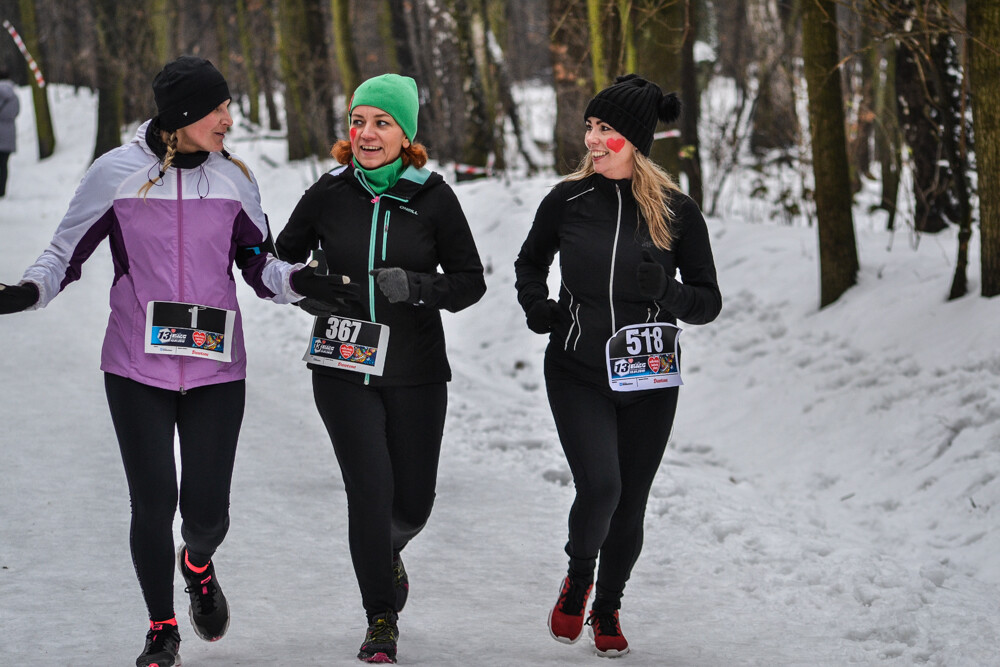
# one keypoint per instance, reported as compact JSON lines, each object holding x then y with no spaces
{"x":394,"y":94}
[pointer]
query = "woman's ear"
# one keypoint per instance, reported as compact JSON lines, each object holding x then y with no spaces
{"x":406,"y":142}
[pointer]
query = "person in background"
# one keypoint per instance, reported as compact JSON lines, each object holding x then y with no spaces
{"x":398,"y":229}
{"x":622,"y":229}
{"x":177,"y":209}
{"x":10,"y":106}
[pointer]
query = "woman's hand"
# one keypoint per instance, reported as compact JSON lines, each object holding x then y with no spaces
{"x":15,"y":298}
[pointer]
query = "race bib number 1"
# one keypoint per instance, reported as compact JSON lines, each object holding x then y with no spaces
{"x":644,"y":356}
{"x":352,"y":345}
{"x":189,"y":330}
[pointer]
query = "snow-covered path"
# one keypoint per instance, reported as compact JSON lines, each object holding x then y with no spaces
{"x":829,"y":496}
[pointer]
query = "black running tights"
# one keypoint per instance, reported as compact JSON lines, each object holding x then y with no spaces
{"x":207,"y":421}
{"x":387,"y":441}
{"x":614,"y":442}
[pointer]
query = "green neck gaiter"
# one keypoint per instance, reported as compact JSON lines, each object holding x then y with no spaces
{"x":381,"y":178}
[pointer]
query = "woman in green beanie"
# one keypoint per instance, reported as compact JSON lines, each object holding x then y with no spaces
{"x":397,"y":228}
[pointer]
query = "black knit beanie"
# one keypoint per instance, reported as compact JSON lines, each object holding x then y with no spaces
{"x":186,"y":90}
{"x":632,"y":105}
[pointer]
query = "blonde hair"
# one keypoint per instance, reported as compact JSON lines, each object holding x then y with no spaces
{"x":414,"y":154}
{"x":651,"y":187}
{"x":170,"y":140}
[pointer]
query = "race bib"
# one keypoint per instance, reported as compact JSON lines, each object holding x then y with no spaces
{"x":644,"y":356}
{"x":349,"y":344}
{"x":189,"y":330}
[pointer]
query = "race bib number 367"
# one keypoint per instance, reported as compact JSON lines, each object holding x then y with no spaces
{"x":644,"y":356}
{"x":349,"y":344}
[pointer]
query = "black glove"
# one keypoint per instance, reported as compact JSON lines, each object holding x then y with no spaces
{"x":393,"y":282}
{"x":15,"y":298}
{"x":318,"y":308}
{"x":313,"y":281}
{"x":542,"y":316}
{"x":652,"y":277}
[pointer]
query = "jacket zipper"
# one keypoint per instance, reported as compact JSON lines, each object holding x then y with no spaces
{"x":385,"y":235}
{"x":180,"y":262}
{"x":614,"y":258}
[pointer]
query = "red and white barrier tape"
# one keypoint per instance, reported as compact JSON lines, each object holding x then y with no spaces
{"x":666,"y":134}
{"x":32,"y":65}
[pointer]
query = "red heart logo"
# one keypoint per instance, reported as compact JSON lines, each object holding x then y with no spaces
{"x":199,"y":338}
{"x":654,"y":364}
{"x":346,"y":351}
{"x":616,"y":144}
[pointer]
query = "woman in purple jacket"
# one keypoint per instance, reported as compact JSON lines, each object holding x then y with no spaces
{"x":178,"y":209}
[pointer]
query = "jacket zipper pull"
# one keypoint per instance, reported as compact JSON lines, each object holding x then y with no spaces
{"x":375,"y":200}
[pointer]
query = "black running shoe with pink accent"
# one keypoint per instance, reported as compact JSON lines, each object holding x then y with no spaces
{"x":209,"y":610}
{"x":163,"y":644}
{"x":380,"y":640}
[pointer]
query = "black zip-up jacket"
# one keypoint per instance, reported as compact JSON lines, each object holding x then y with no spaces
{"x":596,"y":227}
{"x":417,"y":225}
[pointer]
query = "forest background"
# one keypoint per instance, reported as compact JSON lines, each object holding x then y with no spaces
{"x":904,"y":94}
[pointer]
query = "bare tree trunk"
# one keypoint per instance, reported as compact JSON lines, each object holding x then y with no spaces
{"x":307,"y":72}
{"x":691,"y":97}
{"x":661,"y":29}
{"x":838,"y":253}
{"x":775,"y":122}
{"x":347,"y":61}
{"x":572,"y":78}
{"x":249,"y":62}
{"x":110,"y":77}
{"x":43,"y":118}
{"x":888,"y":135}
{"x":983,"y":19}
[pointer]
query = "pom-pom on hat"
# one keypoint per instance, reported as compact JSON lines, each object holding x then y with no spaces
{"x":394,"y":94}
{"x":632,"y":105}
{"x":186,"y":90}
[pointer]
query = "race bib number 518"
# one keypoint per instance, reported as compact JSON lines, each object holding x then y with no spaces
{"x":644,"y":356}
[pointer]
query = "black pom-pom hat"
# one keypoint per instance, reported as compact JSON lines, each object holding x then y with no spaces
{"x":632,"y":106}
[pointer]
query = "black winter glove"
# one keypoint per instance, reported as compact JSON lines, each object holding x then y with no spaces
{"x":652,"y":277}
{"x":15,"y":298}
{"x":393,"y":282}
{"x":312,"y":281}
{"x":542,"y":316}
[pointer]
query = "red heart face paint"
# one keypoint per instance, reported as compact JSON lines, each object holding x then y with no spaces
{"x":616,"y":144}
{"x":354,"y":132}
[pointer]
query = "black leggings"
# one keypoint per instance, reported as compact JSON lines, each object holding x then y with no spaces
{"x":614,"y":442}
{"x":387,"y":441}
{"x":3,"y":172}
{"x":207,"y":420}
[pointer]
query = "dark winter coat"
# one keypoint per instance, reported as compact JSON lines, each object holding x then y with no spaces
{"x":596,"y":227}
{"x":417,"y":225}
{"x":9,"y":108}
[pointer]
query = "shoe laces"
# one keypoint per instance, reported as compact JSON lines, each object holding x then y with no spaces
{"x":381,"y":630}
{"x":573,"y":597}
{"x":605,"y":623}
{"x":205,"y":594}
{"x":158,"y":636}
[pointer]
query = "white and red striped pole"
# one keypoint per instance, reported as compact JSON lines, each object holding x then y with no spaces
{"x":32,"y":65}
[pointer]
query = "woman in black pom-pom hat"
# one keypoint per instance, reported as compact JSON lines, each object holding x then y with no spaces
{"x":622,"y":229}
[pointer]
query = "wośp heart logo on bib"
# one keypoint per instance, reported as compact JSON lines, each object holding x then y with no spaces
{"x":654,"y":364}
{"x":346,"y":351}
{"x":198,"y":337}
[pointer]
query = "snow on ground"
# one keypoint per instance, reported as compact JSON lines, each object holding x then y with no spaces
{"x":828,"y":497}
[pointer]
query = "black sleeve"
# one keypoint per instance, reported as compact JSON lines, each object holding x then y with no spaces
{"x":462,"y":283}
{"x":697,"y":300}
{"x":299,"y":238}
{"x":531,"y":268}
